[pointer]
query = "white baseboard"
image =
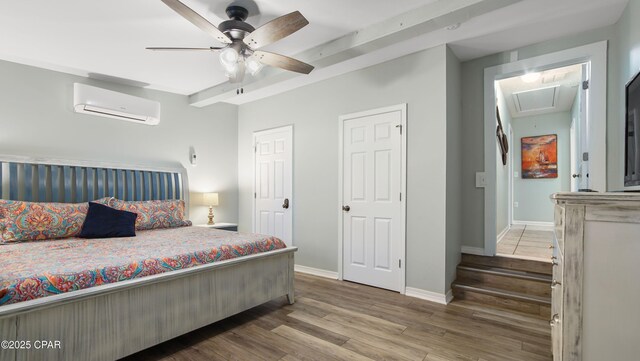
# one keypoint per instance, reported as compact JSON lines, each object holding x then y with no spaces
{"x":472,"y":250}
{"x":544,"y":225}
{"x":503,"y":233}
{"x":316,"y":272}
{"x":429,"y":296}
{"x":409,"y":291}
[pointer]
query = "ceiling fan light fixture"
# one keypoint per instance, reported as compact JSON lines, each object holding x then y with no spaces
{"x":230,"y":71}
{"x":242,"y":39}
{"x":253,"y":65}
{"x":229,"y":57}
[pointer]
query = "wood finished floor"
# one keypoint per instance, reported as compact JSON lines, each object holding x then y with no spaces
{"x":528,"y":242}
{"x":333,"y":320}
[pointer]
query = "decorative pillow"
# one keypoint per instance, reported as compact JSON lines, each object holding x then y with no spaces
{"x":33,"y":221}
{"x":106,"y":222}
{"x":155,"y":214}
{"x":107,"y":201}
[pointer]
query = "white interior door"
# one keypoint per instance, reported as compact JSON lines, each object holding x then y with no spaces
{"x":372,"y":214}
{"x":273,"y":206}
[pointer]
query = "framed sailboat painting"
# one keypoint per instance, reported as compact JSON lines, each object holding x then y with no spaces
{"x":540,"y":156}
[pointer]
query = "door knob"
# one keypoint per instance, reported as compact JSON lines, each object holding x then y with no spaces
{"x":285,"y":205}
{"x":346,"y":208}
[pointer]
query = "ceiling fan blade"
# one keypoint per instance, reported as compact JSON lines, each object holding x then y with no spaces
{"x":197,"y":20}
{"x":211,"y":48}
{"x":276,"y":29}
{"x":283,"y":62}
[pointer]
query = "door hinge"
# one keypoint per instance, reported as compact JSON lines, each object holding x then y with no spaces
{"x":399,"y":126}
{"x":255,"y":195}
{"x":399,"y":263}
{"x":255,"y":148}
{"x":400,"y":196}
{"x":585,"y":85}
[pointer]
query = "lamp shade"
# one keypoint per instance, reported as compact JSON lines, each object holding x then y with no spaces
{"x":210,"y":199}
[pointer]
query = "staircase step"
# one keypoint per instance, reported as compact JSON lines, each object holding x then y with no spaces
{"x":524,"y":275}
{"x":515,"y":264}
{"x":512,"y":315}
{"x":533,"y":284}
{"x":517,"y":301}
{"x":504,"y":293}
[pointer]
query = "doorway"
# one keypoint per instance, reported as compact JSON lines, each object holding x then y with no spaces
{"x":273,"y":183}
{"x":544,"y":114}
{"x":372,"y":183}
{"x":593,"y":151}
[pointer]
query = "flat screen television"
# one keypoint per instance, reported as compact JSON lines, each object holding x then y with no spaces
{"x":632,"y":135}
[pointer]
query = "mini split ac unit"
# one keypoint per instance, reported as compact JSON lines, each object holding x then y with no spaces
{"x":106,"y":103}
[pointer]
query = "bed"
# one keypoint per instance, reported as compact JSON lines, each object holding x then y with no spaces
{"x":106,"y":300}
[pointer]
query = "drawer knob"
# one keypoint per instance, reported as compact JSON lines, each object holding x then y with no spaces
{"x":551,"y":246}
{"x":555,"y":283}
{"x":554,"y":320}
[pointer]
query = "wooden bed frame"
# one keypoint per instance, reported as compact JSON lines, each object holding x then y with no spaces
{"x":116,"y":320}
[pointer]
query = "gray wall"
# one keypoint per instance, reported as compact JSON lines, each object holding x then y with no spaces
{"x":533,"y":194}
{"x":473,"y":122}
{"x":37,"y":119}
{"x":419,"y":80}
{"x":454,"y":166}
{"x":502,"y":171}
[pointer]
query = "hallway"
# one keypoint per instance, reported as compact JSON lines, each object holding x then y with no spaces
{"x":529,"y":242}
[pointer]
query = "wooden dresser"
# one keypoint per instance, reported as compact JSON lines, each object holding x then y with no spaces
{"x":595,"y":304}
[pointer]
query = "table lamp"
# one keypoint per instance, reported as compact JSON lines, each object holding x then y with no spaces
{"x":210,"y":199}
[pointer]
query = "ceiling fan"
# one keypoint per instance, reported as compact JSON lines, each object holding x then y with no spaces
{"x":240,"y":54}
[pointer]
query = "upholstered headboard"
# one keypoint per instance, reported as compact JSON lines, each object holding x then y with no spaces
{"x":49,"y":180}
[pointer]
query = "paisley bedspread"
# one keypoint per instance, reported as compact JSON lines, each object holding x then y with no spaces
{"x":31,"y":270}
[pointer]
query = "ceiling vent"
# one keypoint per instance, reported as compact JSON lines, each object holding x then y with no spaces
{"x":536,"y":99}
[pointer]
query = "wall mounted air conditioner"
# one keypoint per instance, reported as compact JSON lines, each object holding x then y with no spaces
{"x":106,"y":103}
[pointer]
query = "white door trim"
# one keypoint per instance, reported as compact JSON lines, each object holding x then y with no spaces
{"x":595,"y":53}
{"x":511,"y":169}
{"x":403,"y":184}
{"x":268,"y":131}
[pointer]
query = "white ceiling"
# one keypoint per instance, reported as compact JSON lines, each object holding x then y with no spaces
{"x":109,"y":37}
{"x":106,"y":39}
{"x":565,"y":80}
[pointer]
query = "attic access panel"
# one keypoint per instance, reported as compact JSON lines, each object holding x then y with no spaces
{"x":536,"y":99}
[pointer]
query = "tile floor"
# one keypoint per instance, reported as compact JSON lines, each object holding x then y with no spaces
{"x":527,"y":242}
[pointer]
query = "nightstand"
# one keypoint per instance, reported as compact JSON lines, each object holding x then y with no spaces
{"x":222,"y":226}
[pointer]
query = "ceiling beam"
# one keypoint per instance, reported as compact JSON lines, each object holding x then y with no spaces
{"x":431,"y":17}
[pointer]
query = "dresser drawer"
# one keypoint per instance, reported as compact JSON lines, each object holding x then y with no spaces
{"x":557,"y":289}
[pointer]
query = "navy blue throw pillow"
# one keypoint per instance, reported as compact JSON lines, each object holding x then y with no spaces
{"x":106,"y":222}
